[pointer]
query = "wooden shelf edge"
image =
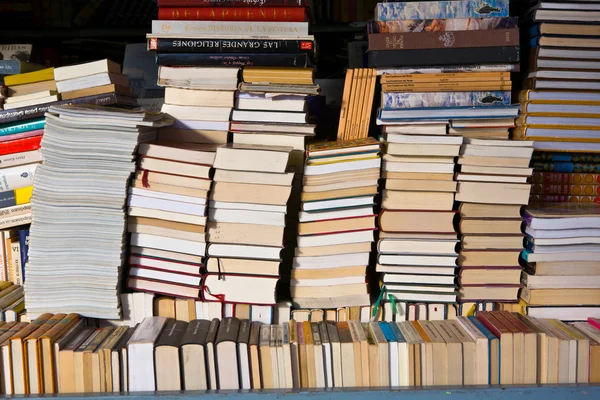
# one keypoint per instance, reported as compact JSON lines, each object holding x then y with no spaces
{"x":560,"y":392}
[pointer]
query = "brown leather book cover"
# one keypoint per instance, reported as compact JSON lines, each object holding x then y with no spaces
{"x":442,"y":40}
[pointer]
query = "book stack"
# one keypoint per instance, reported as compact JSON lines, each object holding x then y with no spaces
{"x":232,"y":33}
{"x":492,"y":187}
{"x":562,"y":93}
{"x":200,"y":100}
{"x":565,"y":177}
{"x":562,"y":274}
{"x":78,"y":233}
{"x":30,"y":89}
{"x":12,"y":302}
{"x":417,"y":246}
{"x":247,"y":220}
{"x":336,"y":224}
{"x":167,"y":217}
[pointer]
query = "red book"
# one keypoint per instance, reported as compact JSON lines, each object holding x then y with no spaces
{"x":595,"y":322}
{"x":233,"y":3}
{"x":277,"y":14}
{"x":20,"y":145}
{"x":506,"y":345}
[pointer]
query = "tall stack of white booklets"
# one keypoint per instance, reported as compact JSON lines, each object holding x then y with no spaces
{"x":246,"y":226}
{"x":77,"y":240}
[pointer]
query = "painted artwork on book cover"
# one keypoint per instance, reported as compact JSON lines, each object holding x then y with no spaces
{"x":441,"y":9}
{"x":442,"y":25}
{"x":397,"y":100}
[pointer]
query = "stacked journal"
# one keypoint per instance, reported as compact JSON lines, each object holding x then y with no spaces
{"x":492,"y":187}
{"x":167,"y":217}
{"x":417,"y":246}
{"x":78,"y":235}
{"x":336,"y":224}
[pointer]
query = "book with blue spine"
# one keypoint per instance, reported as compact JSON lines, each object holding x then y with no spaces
{"x":441,"y":9}
{"x":398,"y":100}
{"x":491,"y":338}
{"x":387,"y":331}
{"x":24,"y":242}
{"x":19,"y":127}
{"x":397,"y":333}
{"x":445,"y":113}
{"x":12,"y":67}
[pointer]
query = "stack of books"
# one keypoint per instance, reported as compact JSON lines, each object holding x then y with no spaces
{"x":560,"y":103}
{"x":167,"y":217}
{"x":30,"y":89}
{"x":565,"y":177}
{"x":562,"y":275}
{"x":336,"y":224}
{"x":78,"y":232}
{"x":247,"y":219}
{"x":200,"y":100}
{"x":12,"y":302}
{"x":418,"y":243}
{"x":492,"y":187}
{"x":233,"y":33}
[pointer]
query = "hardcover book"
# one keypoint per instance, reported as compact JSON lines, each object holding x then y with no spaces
{"x":277,"y":14}
{"x":396,"y":100}
{"x":442,"y":25}
{"x":441,"y":9}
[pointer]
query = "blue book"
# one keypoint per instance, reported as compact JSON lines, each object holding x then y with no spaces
{"x":441,"y":9}
{"x":12,"y":67}
{"x":447,"y":113}
{"x":397,"y":333}
{"x":387,"y":331}
{"x":24,"y":242}
{"x":494,"y":345}
{"x":18,"y":127}
{"x":399,"y":100}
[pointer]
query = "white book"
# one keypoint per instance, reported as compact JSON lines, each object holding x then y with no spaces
{"x":17,"y":177}
{"x":336,"y":238}
{"x":30,"y":102}
{"x":201,"y":125}
{"x":167,"y":196}
{"x":325,"y":205}
{"x":196,"y":113}
{"x":336,"y":214}
{"x":394,"y":364}
{"x":166,"y":205}
{"x":140,"y":349}
{"x":323,"y":169}
{"x":89,"y":81}
{"x":244,"y":251}
{"x":225,"y":205}
{"x":168,"y":244}
{"x":243,"y":365}
{"x":246,"y":217}
{"x":269,"y":116}
{"x":334,"y":261}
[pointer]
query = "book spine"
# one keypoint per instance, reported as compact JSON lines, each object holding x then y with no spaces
{"x":18,"y":177}
{"x":35,"y":111}
{"x":441,"y":9}
{"x":565,"y":178}
{"x":277,"y":14}
{"x":576,"y":190}
{"x":230,"y":28}
{"x":418,"y":57}
{"x":443,"y":40}
{"x":234,"y":60}
{"x":230,"y":45}
{"x":398,"y":100}
{"x":567,"y":157}
{"x":10,"y":67}
{"x":233,"y":3}
{"x":21,"y":135}
{"x":20,"y":145}
{"x":552,"y":166}
{"x":544,"y":198}
{"x":442,"y":25}
{"x":12,"y":160}
{"x":24,"y":241}
{"x":19,"y":128}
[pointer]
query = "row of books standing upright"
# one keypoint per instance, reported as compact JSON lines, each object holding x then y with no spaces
{"x":560,"y":104}
{"x":232,"y":75}
{"x":453,"y":182}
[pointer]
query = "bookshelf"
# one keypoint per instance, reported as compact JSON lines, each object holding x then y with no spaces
{"x":571,"y":392}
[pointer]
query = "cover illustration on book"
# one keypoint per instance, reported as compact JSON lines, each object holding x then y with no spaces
{"x":396,"y":100}
{"x":442,"y":9}
{"x":441,"y":25}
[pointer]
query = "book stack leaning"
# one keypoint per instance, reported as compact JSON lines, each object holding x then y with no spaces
{"x":78,"y":233}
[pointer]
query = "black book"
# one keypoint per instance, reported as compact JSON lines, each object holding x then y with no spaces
{"x":221,"y":45}
{"x":300,"y":60}
{"x":228,"y":330}
{"x":172,"y":334}
{"x":193,"y":356}
{"x":196,"y":332}
{"x":448,"y":56}
{"x":166,"y":355}
{"x":244,"y":333}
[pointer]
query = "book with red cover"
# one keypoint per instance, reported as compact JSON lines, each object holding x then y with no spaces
{"x":277,"y":14}
{"x":506,"y":344}
{"x":251,"y":288}
{"x":164,"y":288}
{"x":233,"y":3}
{"x":529,"y":348}
{"x":595,"y":322}
{"x":20,"y":145}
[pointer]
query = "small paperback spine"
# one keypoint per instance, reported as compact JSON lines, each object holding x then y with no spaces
{"x":566,"y":157}
{"x":20,"y":145}
{"x":247,"y":28}
{"x":235,"y":60}
{"x":22,"y":127}
{"x":277,"y":14}
{"x":36,"y":111}
{"x":249,"y":45}
{"x":442,"y":25}
{"x":233,"y":3}
{"x":443,"y":40}
{"x":563,"y":178}
{"x":392,"y":11}
{"x":556,"y":166}
{"x":450,"y":56}
{"x":12,"y":160}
